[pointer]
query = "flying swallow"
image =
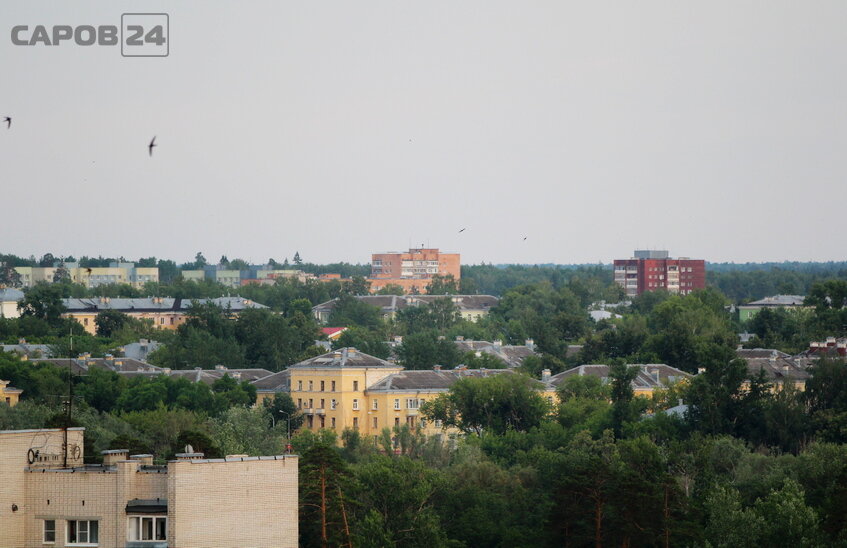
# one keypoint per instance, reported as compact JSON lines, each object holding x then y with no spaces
{"x":8,"y":122}
{"x":462,"y":230}
{"x":151,"y":145}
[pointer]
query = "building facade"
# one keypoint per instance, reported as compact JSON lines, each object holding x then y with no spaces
{"x":9,"y":395}
{"x":9,"y":298}
{"x":349,"y":389}
{"x":115,"y":273}
{"x":50,"y":497}
{"x":165,"y":312}
{"x":748,"y":311}
{"x":649,"y":270}
{"x":412,"y":270}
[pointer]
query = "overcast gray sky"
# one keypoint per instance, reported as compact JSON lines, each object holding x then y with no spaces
{"x":337,"y":129}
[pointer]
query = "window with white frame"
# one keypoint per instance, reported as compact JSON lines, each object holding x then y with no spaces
{"x":375,"y":404}
{"x":143,"y":528}
{"x":411,"y":403}
{"x":332,"y":404}
{"x":396,"y":404}
{"x":355,"y":404}
{"x":84,"y":532}
{"x":49,"y":535}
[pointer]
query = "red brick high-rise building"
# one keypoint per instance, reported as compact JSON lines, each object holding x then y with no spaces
{"x":648,"y":270}
{"x":412,"y":269}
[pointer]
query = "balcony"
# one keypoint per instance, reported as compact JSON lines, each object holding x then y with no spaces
{"x":411,"y":412}
{"x":320,"y":411}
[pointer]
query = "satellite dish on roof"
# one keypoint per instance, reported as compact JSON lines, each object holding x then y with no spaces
{"x":189,"y":449}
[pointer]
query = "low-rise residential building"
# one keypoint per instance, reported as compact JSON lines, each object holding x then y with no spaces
{"x":115,"y":273}
{"x":470,"y":307}
{"x":349,"y":389}
{"x":9,"y":395}
{"x":777,"y":367}
{"x":748,"y":311}
{"x":650,"y":376}
{"x":50,"y":496}
{"x":165,"y":312}
{"x":9,"y":298}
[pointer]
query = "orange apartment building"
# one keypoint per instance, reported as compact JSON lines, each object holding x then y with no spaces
{"x":412,"y":270}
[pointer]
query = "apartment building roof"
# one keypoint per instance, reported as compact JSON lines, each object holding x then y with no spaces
{"x":511,"y":355}
{"x":278,"y":382}
{"x":209,"y":376}
{"x":748,"y":353}
{"x":10,"y":294}
{"x":778,"y":300}
{"x":427,"y":379}
{"x":154,"y":304}
{"x":777,"y":369}
{"x":82,"y":365}
{"x":28,"y":350}
{"x":345,"y":357}
{"x":650,"y":376}
{"x":134,"y":368}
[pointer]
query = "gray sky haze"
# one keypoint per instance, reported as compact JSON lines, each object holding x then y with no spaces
{"x":716,"y":130}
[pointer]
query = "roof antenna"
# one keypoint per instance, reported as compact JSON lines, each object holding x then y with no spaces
{"x":70,"y":403}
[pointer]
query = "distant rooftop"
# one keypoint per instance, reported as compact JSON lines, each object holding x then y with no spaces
{"x":778,"y":300}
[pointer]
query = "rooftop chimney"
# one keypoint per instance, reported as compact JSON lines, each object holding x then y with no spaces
{"x":545,"y":375}
{"x":113,"y":456}
{"x":188,"y":456}
{"x":459,"y":338}
{"x":529,"y":343}
{"x":498,"y":342}
{"x":436,"y":368}
{"x":144,"y":459}
{"x":220,"y":368}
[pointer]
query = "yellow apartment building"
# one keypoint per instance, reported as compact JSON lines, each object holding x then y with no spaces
{"x":9,"y":394}
{"x":51,"y":498}
{"x":350,"y":389}
{"x":330,"y":389}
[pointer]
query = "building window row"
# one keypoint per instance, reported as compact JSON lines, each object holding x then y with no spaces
{"x":79,"y":532}
{"x":311,"y":385}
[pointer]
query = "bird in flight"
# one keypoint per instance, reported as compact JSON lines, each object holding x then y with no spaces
{"x":524,"y":238}
{"x":151,"y":145}
{"x":462,"y":230}
{"x":8,"y":121}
